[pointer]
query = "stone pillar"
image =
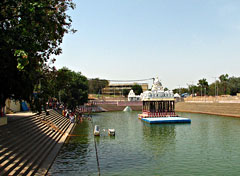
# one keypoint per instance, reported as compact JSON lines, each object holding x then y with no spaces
{"x":173,"y":106}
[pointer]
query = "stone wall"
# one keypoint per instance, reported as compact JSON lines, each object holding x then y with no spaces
{"x":223,"y":109}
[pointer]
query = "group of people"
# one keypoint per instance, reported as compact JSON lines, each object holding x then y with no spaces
{"x":53,"y":103}
{"x":72,"y":116}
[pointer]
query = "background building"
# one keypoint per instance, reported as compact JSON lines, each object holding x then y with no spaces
{"x":117,"y":89}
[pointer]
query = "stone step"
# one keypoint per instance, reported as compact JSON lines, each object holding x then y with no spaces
{"x":29,"y":151}
{"x":26,"y":165}
{"x":23,"y":141}
{"x":31,"y":128}
{"x":41,"y":156}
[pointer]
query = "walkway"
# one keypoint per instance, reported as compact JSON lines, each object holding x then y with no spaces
{"x":29,"y":145}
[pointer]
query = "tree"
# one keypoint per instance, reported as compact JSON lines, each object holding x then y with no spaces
{"x":202,"y":82}
{"x":193,"y":89}
{"x":30,"y":32}
{"x":181,"y":90}
{"x":223,"y":78}
{"x":96,"y":85}
{"x":223,"y":83}
{"x":72,"y":86}
{"x":234,"y":85}
{"x":202,"y":86}
{"x":126,"y":92}
{"x":44,"y":90}
{"x":137,"y":89}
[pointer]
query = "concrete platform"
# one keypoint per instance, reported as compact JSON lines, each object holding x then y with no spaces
{"x":162,"y":120}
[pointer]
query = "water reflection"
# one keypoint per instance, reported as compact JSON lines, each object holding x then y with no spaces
{"x":75,"y":151}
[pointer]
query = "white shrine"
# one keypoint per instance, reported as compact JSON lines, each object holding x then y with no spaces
{"x":159,"y":106}
{"x":156,"y":92}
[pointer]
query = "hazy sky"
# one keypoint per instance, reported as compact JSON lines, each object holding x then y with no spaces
{"x":180,"y":41}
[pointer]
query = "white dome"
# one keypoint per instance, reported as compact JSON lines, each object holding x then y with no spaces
{"x":176,"y":95}
{"x":157,"y":85}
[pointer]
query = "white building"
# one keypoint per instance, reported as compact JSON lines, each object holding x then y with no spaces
{"x":133,"y":97}
{"x":157,"y":92}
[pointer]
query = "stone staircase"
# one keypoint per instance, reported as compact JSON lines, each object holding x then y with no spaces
{"x":27,"y":143}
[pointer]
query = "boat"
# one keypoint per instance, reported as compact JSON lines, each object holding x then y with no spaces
{"x":159,"y":106}
{"x":111,"y":132}
{"x":96,"y":130}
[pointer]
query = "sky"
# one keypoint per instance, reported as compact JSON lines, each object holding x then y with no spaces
{"x":179,"y":41}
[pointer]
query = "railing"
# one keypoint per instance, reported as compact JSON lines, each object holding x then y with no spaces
{"x":88,"y":109}
{"x":129,"y":103}
{"x":103,"y":102}
{"x":118,"y":103}
{"x":158,"y":114}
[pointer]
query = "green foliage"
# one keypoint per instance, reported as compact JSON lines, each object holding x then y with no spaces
{"x":211,"y":90}
{"x":224,"y":89}
{"x":193,"y":89}
{"x":73,"y":87}
{"x":126,"y":92}
{"x":22,"y":59}
{"x":224,"y":86}
{"x":203,"y":87}
{"x":223,"y":78}
{"x":181,"y":90}
{"x":96,"y":85}
{"x":137,"y":89}
{"x":44,"y":90}
{"x":30,"y":32}
{"x":234,"y":85}
{"x":202,"y":83}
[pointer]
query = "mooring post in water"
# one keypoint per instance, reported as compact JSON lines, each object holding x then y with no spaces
{"x":98,"y":165}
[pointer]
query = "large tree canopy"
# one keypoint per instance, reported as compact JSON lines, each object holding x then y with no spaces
{"x":96,"y":85}
{"x":30,"y":32}
{"x":72,"y":87}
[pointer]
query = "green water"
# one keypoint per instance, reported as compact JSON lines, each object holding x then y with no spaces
{"x":210,"y":145}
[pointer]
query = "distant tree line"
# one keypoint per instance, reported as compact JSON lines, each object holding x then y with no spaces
{"x":224,"y":85}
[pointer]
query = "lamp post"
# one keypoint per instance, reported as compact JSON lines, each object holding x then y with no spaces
{"x":192,"y":89}
{"x":188,"y":88}
{"x":205,"y":93}
{"x":201,"y":92}
{"x":216,"y":92}
{"x":179,"y":89}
